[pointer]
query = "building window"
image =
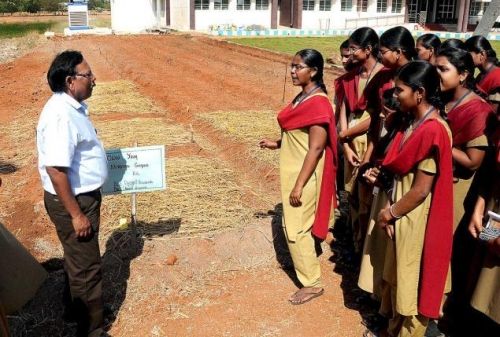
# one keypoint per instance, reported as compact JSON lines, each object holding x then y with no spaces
{"x":446,"y":9}
{"x":397,"y":6}
{"x":381,"y":6}
{"x":345,"y":5}
{"x":262,"y":4}
{"x":308,"y":5}
{"x":362,"y":5}
{"x":200,"y":4}
{"x":325,"y":5}
{"x":221,"y":4}
{"x":243,"y":4}
{"x":475,"y":8}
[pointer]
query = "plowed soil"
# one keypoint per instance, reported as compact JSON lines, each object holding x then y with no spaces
{"x":224,"y":284}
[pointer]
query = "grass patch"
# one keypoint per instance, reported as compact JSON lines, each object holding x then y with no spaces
{"x":496,"y":45}
{"x":103,"y":21}
{"x":248,"y":127}
{"x":41,"y":24}
{"x":10,"y":30}
{"x":328,"y":46}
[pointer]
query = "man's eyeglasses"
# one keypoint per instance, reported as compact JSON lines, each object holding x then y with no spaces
{"x":88,"y":76}
{"x":297,"y":66}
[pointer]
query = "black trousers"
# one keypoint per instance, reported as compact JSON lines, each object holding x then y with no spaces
{"x":82,"y":262}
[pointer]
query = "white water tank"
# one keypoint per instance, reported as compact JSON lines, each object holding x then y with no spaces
{"x":133,"y":16}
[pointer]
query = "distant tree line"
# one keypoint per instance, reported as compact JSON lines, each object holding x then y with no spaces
{"x":33,"y":6}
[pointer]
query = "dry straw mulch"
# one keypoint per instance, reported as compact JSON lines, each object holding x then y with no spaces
{"x":20,"y":134}
{"x":248,"y":127}
{"x":144,"y":131}
{"x":17,"y":158}
{"x":201,"y":197}
{"x":120,"y":97}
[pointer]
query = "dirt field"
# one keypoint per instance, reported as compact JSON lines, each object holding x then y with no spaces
{"x":228,"y":280}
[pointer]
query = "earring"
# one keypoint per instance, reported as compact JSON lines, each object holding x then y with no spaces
{"x":419,"y":100}
{"x":461,"y":82}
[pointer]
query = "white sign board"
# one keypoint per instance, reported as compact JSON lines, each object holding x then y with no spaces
{"x":135,"y":169}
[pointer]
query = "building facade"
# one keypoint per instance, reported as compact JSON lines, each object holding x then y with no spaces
{"x":209,"y":15}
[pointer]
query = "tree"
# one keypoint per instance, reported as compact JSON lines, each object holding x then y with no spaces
{"x":489,"y":17}
{"x":99,"y":4}
{"x":50,"y":5}
{"x":10,"y":6}
{"x":31,"y":6}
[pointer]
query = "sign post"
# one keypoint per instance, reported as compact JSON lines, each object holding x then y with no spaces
{"x":133,"y":219}
{"x":135,"y":170}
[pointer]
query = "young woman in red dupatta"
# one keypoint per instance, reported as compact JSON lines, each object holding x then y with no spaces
{"x":397,"y":48}
{"x":354,"y":121}
{"x":419,"y":221}
{"x":307,"y":170}
{"x":427,"y":46}
{"x":348,"y":65}
{"x":486,"y":286}
{"x":468,"y":115}
{"x":485,"y":59}
{"x":373,"y":257}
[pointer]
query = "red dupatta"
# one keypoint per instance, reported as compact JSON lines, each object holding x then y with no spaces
{"x":469,"y":120}
{"x":431,"y":138}
{"x":490,"y":82}
{"x":350,"y":84}
{"x":372,"y":97}
{"x":339,"y":90}
{"x":317,"y":110}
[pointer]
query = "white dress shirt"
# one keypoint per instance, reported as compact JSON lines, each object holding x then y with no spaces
{"x":65,"y":137}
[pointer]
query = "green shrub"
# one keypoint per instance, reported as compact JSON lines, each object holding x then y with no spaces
{"x":8,"y":30}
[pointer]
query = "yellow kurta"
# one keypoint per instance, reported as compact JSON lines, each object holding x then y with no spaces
{"x":462,"y":186}
{"x":373,"y":258}
{"x":298,"y":221}
{"x":403,"y":255}
{"x":358,"y":145}
{"x":464,"y":198}
{"x":486,"y":296}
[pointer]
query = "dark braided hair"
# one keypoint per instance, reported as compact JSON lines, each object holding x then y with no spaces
{"x":453,"y":43}
{"x":313,"y":59}
{"x":421,"y":74}
{"x":366,"y":37}
{"x":462,"y":60}
{"x":478,"y":44}
{"x":399,"y":38}
{"x":429,"y":41}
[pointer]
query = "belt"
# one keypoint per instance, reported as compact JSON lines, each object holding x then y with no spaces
{"x":90,"y":193}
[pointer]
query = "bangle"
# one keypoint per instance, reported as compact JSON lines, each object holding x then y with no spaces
{"x":344,"y":137}
{"x":391,"y":212}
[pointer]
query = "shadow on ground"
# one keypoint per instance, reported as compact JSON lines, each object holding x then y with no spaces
{"x":346,"y":264}
{"x":280,"y":245}
{"x":42,"y":316}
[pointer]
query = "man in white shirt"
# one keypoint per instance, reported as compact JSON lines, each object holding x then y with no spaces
{"x":72,"y":166}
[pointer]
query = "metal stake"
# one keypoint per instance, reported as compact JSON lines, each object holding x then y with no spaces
{"x":133,"y":223}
